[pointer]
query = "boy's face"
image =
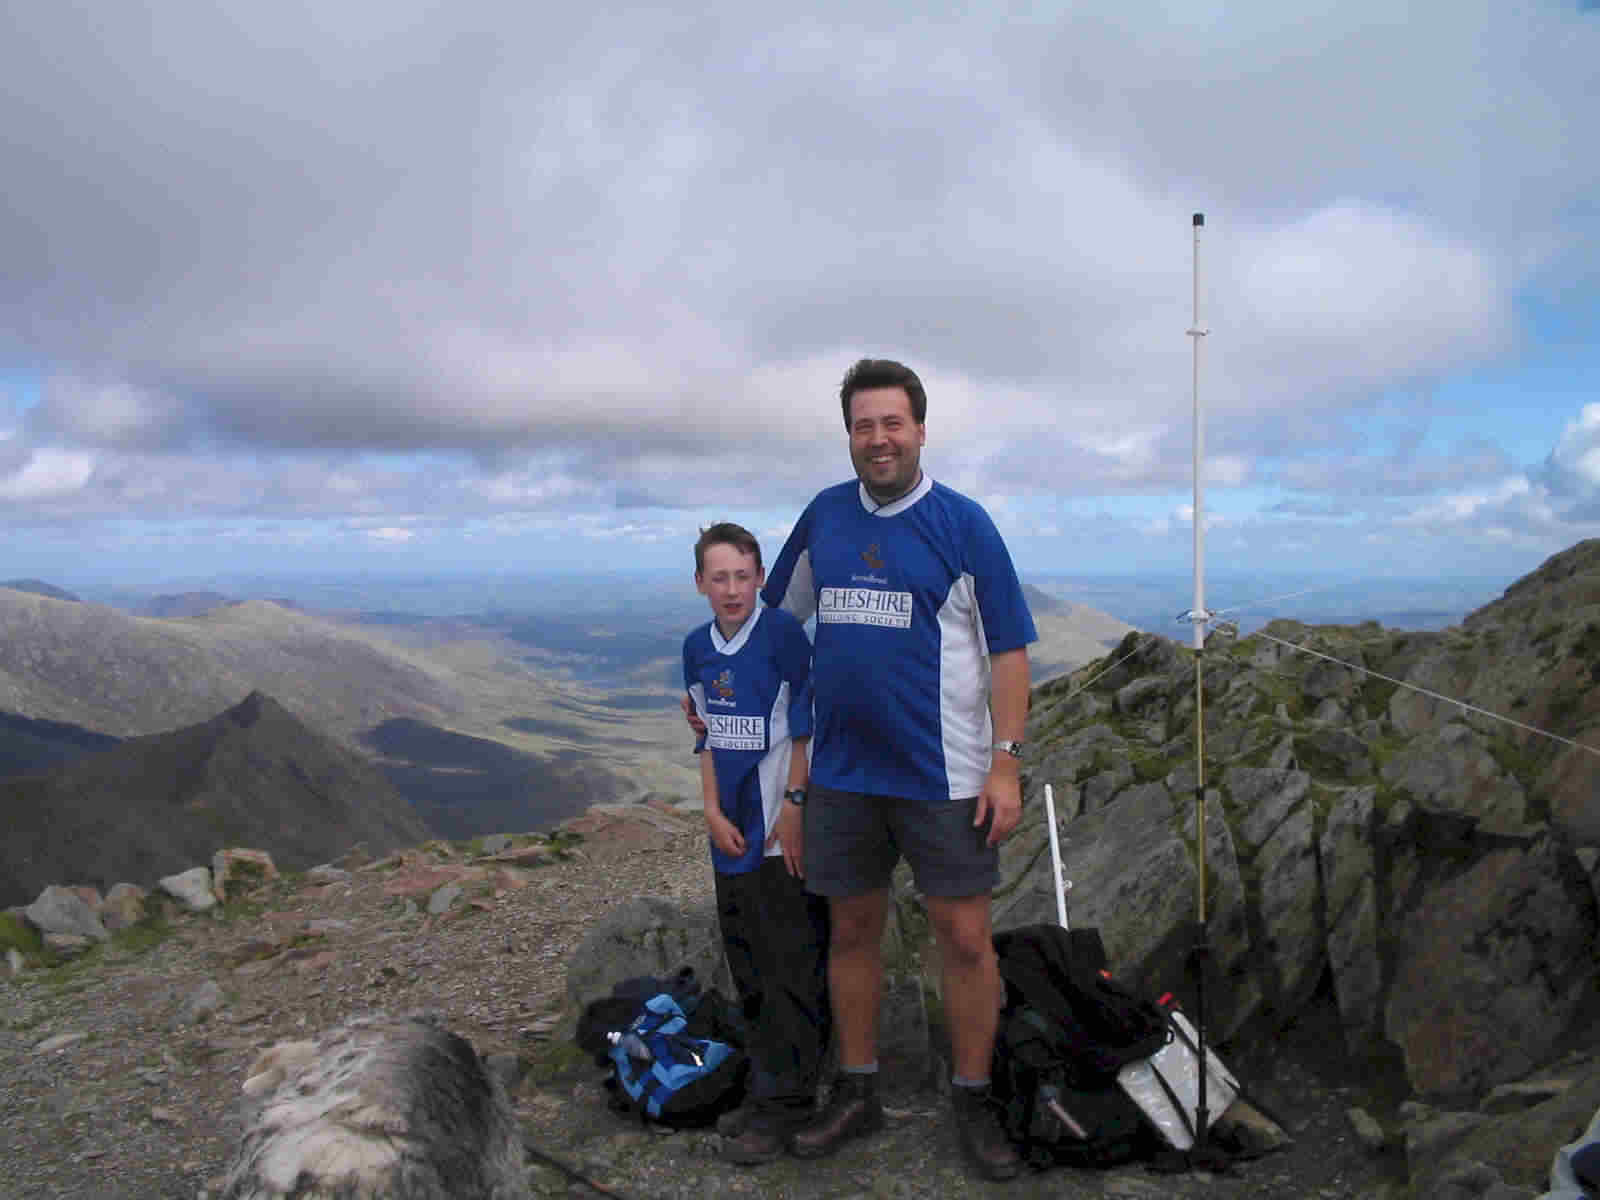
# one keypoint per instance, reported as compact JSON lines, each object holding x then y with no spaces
{"x":730,"y":579}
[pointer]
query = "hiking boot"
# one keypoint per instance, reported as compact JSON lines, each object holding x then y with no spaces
{"x":760,"y":1140}
{"x":853,"y":1111}
{"x":733,"y":1122}
{"x":983,"y":1141}
{"x":760,"y":1133}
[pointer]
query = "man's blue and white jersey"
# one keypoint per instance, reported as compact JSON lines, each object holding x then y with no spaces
{"x":753,"y":691}
{"x":911,"y":599}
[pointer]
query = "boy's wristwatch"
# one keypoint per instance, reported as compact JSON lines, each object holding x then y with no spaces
{"x":796,"y":797}
{"x":1012,"y":748}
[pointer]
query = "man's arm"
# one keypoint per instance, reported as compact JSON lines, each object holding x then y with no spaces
{"x":694,"y":720}
{"x":790,"y":829}
{"x":790,"y":584}
{"x":694,"y":697}
{"x":1008,"y":709}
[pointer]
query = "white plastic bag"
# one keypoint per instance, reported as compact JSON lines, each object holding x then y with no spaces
{"x":1177,"y":1063}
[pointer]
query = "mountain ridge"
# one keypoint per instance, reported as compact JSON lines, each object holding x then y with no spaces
{"x":591,"y":723}
{"x":252,"y":775}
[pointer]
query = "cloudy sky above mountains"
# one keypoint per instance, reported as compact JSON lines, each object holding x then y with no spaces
{"x":420,"y":286}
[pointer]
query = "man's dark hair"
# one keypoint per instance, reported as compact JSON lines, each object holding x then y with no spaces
{"x":882,"y":373}
{"x":726,"y":533}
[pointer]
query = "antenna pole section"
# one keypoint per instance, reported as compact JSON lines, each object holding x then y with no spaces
{"x":1197,"y":332}
{"x":1199,"y":618}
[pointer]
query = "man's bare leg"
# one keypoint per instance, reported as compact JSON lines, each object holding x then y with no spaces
{"x":971,"y":977}
{"x":972,"y":980}
{"x":855,"y":986}
{"x":972,"y":995}
{"x":855,"y":973}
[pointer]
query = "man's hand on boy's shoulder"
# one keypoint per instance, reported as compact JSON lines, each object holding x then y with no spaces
{"x":692,"y":717}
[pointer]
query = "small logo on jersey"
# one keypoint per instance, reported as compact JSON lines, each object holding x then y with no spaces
{"x":728,"y":732}
{"x":722,"y":685}
{"x":870,"y":557}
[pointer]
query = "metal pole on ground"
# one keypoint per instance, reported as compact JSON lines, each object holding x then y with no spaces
{"x":1055,"y":858}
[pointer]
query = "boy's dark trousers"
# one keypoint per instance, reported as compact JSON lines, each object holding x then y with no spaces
{"x":776,"y":937}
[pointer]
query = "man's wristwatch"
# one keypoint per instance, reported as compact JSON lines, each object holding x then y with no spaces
{"x":1012,"y":748}
{"x":796,"y":797}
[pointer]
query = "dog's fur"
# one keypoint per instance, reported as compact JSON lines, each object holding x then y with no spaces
{"x":380,"y":1108}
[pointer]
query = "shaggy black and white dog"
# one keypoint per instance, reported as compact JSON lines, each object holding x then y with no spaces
{"x":381,"y":1108}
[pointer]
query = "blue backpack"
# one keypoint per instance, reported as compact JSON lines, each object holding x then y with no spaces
{"x":671,"y":1076}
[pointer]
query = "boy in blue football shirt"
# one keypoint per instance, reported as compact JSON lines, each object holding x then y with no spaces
{"x":748,"y":675}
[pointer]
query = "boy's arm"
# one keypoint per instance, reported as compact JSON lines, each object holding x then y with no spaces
{"x":724,"y":833}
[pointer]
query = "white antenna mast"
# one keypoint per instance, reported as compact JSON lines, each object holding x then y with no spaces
{"x":1199,"y":618}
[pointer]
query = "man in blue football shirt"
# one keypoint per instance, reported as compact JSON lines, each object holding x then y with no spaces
{"x":920,"y":693}
{"x":747,"y":673}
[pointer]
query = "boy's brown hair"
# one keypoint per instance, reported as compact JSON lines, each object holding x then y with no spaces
{"x":725,"y":533}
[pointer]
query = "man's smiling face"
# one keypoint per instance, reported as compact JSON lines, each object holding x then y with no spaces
{"x":885,"y":441}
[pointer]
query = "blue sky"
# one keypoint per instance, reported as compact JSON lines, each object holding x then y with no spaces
{"x":426,"y":287}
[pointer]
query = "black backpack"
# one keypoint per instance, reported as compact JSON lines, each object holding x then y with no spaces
{"x":1066,"y":1027}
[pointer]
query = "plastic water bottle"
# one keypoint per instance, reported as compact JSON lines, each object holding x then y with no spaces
{"x":632,"y":1045}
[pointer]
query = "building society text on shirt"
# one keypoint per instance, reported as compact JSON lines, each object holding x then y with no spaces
{"x":864,"y":606}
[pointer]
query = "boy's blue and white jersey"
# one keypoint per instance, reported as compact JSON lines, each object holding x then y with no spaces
{"x":753,"y":691}
{"x":911,"y":599}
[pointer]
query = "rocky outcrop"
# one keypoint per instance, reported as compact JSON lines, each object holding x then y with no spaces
{"x":65,"y":911}
{"x":646,"y":935}
{"x":1370,"y":826}
{"x":1490,"y":969}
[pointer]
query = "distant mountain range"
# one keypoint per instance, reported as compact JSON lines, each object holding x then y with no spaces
{"x":1069,"y":634}
{"x":155,"y":805}
{"x":504,"y":720}
{"x":101,"y":671}
{"x":184,"y":604}
{"x":38,"y":587}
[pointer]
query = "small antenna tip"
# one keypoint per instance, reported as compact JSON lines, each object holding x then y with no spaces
{"x":1199,"y":218}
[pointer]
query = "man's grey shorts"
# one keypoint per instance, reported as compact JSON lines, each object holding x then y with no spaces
{"x":854,"y":840}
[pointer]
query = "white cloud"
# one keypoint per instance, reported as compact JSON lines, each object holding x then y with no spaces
{"x":1573,"y":467}
{"x":380,"y":260}
{"x":391,"y":534}
{"x":48,"y":474}
{"x":104,"y":412}
{"x":1369,"y":296}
